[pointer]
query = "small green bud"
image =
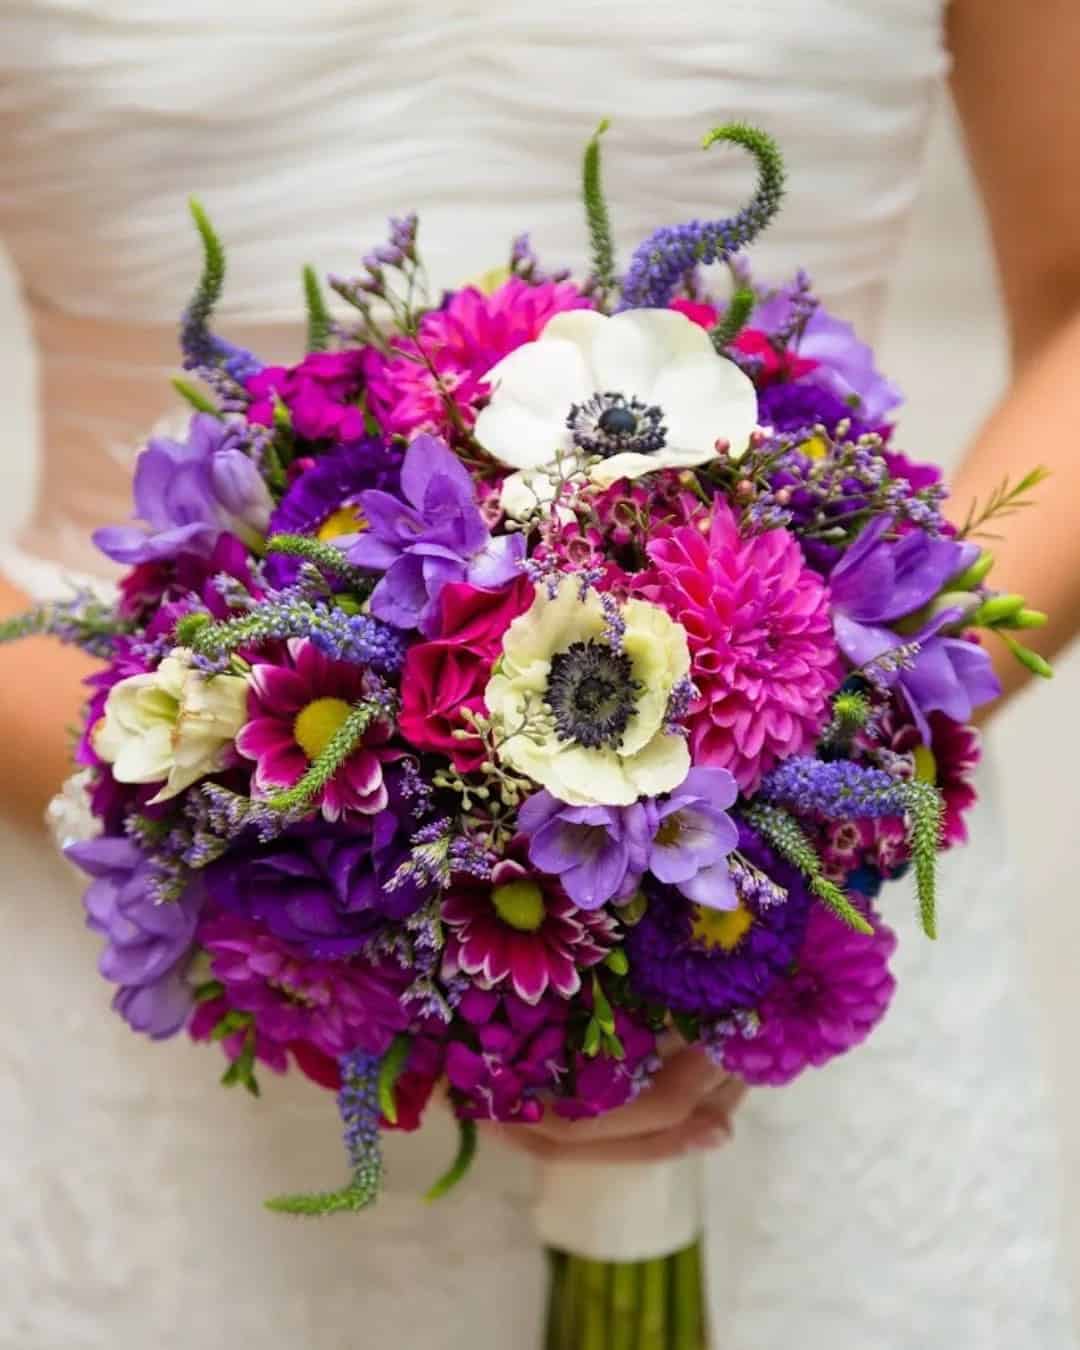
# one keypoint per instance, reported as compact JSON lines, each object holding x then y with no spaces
{"x":1028,"y":659}
{"x":975,"y":574}
{"x":1030,"y":618}
{"x":997,"y":609}
{"x":616,"y":961}
{"x":634,"y":909}
{"x":189,"y":628}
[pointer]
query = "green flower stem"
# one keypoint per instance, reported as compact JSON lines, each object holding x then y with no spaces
{"x":652,"y":1319}
{"x":461,"y":1164}
{"x":389,"y":1072}
{"x":567,"y":1315}
{"x":195,"y":397}
{"x":594,"y":1305}
{"x":557,"y":1264}
{"x":687,"y":1312}
{"x":340,"y":746}
{"x":624,"y":1306}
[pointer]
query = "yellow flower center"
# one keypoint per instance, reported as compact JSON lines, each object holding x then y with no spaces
{"x":318,"y":723}
{"x":925,"y":764}
{"x":670,"y":831}
{"x":814,"y":448}
{"x":520,"y":904}
{"x":723,"y":928}
{"x":346,"y":520}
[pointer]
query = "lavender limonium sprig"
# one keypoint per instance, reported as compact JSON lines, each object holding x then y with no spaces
{"x":659,"y":264}
{"x":84,"y":621}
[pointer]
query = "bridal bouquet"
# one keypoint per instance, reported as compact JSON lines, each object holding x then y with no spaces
{"x":530,"y":675}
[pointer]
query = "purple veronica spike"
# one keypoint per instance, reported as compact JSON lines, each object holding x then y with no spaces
{"x":435,"y":536}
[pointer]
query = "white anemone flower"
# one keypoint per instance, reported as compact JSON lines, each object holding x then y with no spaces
{"x":173,"y":724}
{"x":644,"y":389}
{"x":585,"y":719}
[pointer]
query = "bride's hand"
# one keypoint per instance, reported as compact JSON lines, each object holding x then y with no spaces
{"x":689,"y":1106}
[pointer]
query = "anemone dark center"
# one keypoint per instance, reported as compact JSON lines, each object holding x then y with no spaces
{"x":592,"y":693}
{"x":612,"y":424}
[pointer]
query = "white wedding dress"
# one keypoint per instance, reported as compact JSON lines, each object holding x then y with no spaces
{"x":900,"y":1200}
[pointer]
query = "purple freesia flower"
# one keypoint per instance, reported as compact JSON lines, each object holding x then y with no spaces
{"x":845,"y":365}
{"x":188,"y":493}
{"x":147,"y":941}
{"x":879,"y":581}
{"x":436,"y":535}
{"x":601,"y":853}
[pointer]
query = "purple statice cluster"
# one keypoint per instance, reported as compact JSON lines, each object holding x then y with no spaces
{"x":403,"y":774}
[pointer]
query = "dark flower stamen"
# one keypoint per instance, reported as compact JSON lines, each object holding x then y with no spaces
{"x":611,"y":424}
{"x":591,"y":692}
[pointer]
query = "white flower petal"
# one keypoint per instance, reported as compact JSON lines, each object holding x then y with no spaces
{"x":146,"y":758}
{"x":580,"y":326}
{"x":524,"y":425}
{"x":629,"y":464}
{"x":660,"y":767}
{"x":705,"y":398}
{"x":584,"y":777}
{"x":630,"y":352}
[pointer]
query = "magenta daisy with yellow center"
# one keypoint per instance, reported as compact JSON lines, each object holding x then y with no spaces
{"x":519,"y":929}
{"x":295,"y":709}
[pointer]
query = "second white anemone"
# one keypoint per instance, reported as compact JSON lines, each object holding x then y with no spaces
{"x":584,"y":713}
{"x":643,"y":389}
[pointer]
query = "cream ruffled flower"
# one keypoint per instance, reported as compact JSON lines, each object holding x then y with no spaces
{"x":593,"y":715}
{"x":172,"y":724}
{"x":645,"y":389}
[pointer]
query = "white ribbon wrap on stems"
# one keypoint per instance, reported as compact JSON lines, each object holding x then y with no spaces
{"x":620,"y":1211}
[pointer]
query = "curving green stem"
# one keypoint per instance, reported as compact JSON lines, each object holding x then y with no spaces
{"x":390,"y":1071}
{"x":461,"y":1164}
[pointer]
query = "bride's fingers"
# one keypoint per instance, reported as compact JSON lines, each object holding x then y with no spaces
{"x":720,"y":1104}
{"x":669,"y":1143}
{"x":679,"y":1087}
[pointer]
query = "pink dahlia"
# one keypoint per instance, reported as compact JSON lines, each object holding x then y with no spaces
{"x":763,"y":656}
{"x":455,"y":348}
{"x":838,"y":992}
{"x":295,"y":709}
{"x":520,"y":928}
{"x":292,"y":1004}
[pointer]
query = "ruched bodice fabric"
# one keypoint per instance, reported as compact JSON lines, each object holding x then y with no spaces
{"x":303,"y":127}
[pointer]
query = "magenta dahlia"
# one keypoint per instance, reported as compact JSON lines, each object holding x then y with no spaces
{"x":763,"y":656}
{"x":292,"y":1002}
{"x":295,"y":708}
{"x":839,"y":990}
{"x":454,"y":349}
{"x":519,"y":928}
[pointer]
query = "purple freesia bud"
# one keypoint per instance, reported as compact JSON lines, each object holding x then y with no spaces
{"x":188,"y":493}
{"x":435,"y":536}
{"x":147,"y":941}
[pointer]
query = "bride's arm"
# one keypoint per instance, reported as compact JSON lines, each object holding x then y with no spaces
{"x":1016,"y":66}
{"x":40,"y":698}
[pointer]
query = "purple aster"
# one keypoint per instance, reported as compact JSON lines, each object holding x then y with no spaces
{"x":147,"y":942}
{"x":707,"y":961}
{"x":319,"y":887}
{"x":845,"y":366}
{"x":838,"y":991}
{"x":189,"y":492}
{"x":879,"y":581}
{"x":322,"y":499}
{"x":436,"y":535}
{"x":795,"y":405}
